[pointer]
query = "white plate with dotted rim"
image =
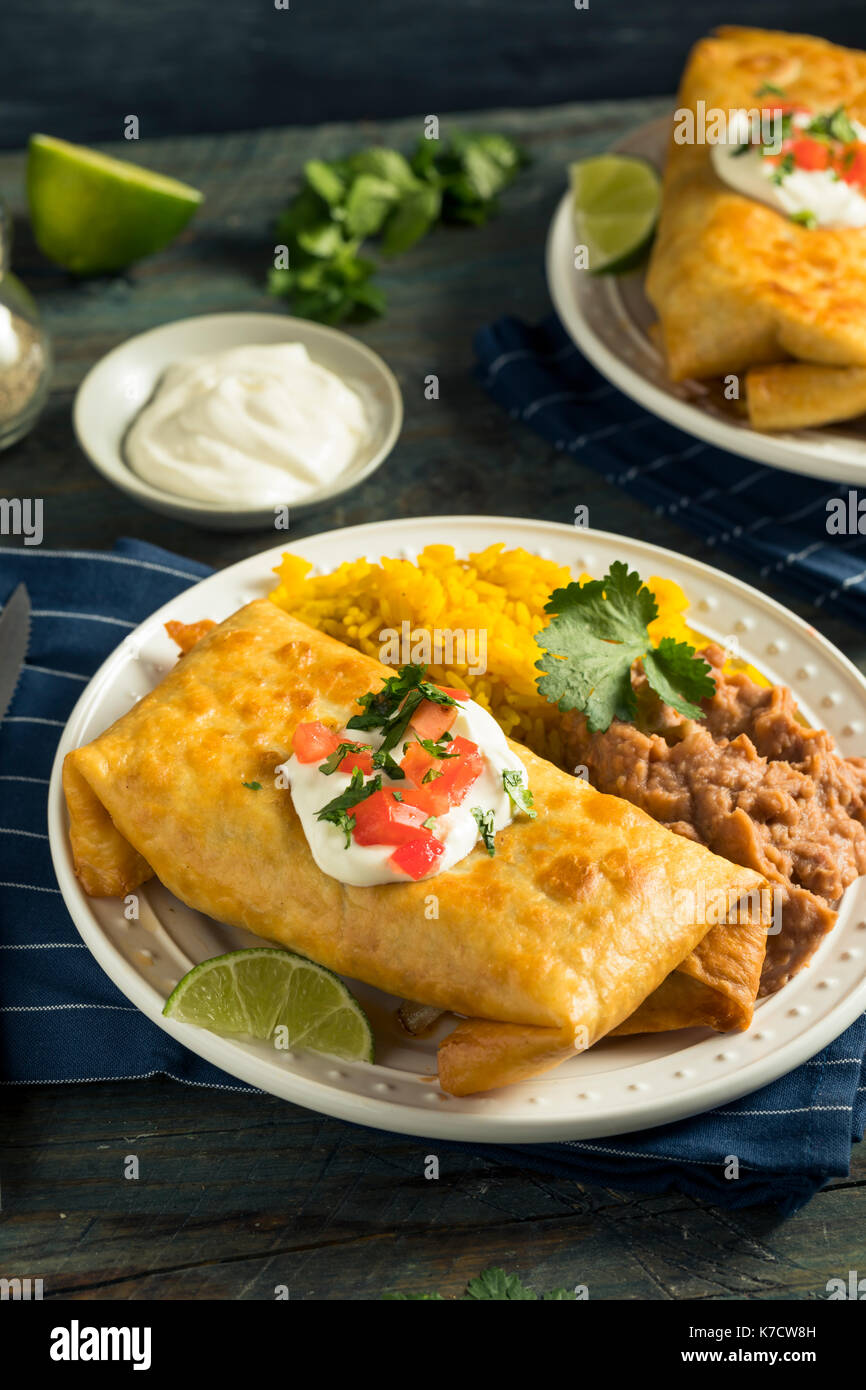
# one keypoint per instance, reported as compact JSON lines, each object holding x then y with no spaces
{"x":619,"y":1085}
{"x":609,"y":316}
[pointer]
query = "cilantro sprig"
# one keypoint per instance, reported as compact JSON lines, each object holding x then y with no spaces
{"x":597,"y":633}
{"x":518,"y":790}
{"x":337,"y":812}
{"x":486,"y":828}
{"x":378,"y":757}
{"x":391,"y":708}
{"x":379,"y":193}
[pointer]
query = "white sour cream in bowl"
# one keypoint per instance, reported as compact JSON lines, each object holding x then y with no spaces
{"x":254,"y":425}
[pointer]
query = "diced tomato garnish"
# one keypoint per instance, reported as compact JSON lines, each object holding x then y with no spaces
{"x":456,"y":777}
{"x":383,"y":820}
{"x":852,"y":164}
{"x":455,"y":694}
{"x":417,"y":857}
{"x":314,"y":742}
{"x":417,"y":762}
{"x":352,"y":760}
{"x":810,"y":154}
{"x":431,"y":720}
{"x":458,"y":774}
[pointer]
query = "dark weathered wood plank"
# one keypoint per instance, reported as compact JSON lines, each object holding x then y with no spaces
{"x":238,"y":1194}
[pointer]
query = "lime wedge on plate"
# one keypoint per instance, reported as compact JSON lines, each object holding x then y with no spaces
{"x":615,"y":201}
{"x":253,"y":992}
{"x":92,"y":213}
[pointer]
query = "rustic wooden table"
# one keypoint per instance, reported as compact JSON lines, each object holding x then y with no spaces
{"x":240,"y":1193}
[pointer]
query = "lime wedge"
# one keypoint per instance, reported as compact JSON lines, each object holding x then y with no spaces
{"x":92,"y":213}
{"x":615,"y":201}
{"x":253,"y":993}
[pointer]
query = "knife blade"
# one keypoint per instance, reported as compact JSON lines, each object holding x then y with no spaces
{"x":14,"y":639}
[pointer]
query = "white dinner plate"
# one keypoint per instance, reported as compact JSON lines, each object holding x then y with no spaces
{"x":608,"y":317}
{"x":619,"y":1085}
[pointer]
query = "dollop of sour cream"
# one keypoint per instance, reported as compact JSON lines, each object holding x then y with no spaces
{"x":363,"y":865}
{"x":261,"y":424}
{"x":819,"y":195}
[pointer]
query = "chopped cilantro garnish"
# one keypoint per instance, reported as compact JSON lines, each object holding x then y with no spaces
{"x":767,"y":89}
{"x":484,"y":821}
{"x":804,"y":218}
{"x":253,"y":786}
{"x":436,"y":747}
{"x":834,"y":125}
{"x":429,"y":823}
{"x":398,"y":796}
{"x":332,"y":762}
{"x":337,"y":811}
{"x":431,"y":774}
{"x":784,"y":167}
{"x":518,"y":790}
{"x":598,"y":632}
{"x":392,"y":707}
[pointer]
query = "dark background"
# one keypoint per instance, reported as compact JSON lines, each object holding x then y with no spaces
{"x":75,"y":68}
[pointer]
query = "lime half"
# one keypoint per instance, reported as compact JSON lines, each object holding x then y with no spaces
{"x":256,"y":992}
{"x":615,"y":201}
{"x":92,"y":213}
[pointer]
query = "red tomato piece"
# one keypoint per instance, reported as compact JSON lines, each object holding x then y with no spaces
{"x":810,"y":154}
{"x":352,"y":760}
{"x":455,"y":694}
{"x":417,"y":762}
{"x":314,"y":742}
{"x":458,"y":774}
{"x":431,"y":720}
{"x":852,"y":164}
{"x":383,"y":820}
{"x":417,"y":857}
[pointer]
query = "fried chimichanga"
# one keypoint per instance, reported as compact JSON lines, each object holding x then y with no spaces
{"x":738,"y":285}
{"x":569,"y":927}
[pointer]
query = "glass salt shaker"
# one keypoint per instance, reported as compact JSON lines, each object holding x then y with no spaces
{"x":25,"y":351}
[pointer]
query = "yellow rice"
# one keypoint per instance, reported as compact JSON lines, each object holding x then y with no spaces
{"x":500,"y":592}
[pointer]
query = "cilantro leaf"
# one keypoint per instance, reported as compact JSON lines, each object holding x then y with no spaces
{"x":486,"y":829}
{"x":518,"y":790}
{"x":333,"y":760}
{"x":495,"y":1285}
{"x":253,"y":786}
{"x":436,"y":748}
{"x":337,"y":811}
{"x":675,"y":673}
{"x":598,"y":631}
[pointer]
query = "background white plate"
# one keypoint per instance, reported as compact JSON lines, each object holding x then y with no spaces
{"x":619,"y":1085}
{"x":608,"y":317}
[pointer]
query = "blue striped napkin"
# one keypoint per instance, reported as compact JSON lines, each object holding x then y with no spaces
{"x":62,"y":1020}
{"x":774,"y":519}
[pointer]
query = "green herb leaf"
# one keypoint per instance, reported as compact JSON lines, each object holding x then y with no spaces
{"x":485,"y":822}
{"x":368,"y":203}
{"x":412,"y":219}
{"x":518,"y":790}
{"x":804,"y":218}
{"x":436,"y":748}
{"x":253,"y":786}
{"x":325,"y":180}
{"x":494,"y":1285}
{"x":430,"y":775}
{"x":333,"y":760}
{"x":598,"y":632}
{"x":337,"y":811}
{"x":769,"y":89}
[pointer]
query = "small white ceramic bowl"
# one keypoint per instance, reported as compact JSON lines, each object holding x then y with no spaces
{"x":122,"y":382}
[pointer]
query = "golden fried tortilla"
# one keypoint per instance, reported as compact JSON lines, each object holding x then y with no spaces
{"x":738,"y":285}
{"x":569,"y":927}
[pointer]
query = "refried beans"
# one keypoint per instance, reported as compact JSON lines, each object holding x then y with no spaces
{"x":752,"y":783}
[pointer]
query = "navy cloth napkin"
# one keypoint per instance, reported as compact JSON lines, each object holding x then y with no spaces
{"x":774,"y":519}
{"x":62,"y":1020}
